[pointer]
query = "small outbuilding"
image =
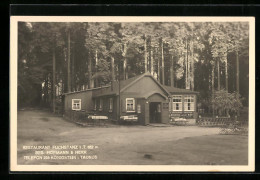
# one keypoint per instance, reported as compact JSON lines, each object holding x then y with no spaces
{"x":142,"y":98}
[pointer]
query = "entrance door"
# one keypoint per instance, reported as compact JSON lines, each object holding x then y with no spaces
{"x":155,"y":112}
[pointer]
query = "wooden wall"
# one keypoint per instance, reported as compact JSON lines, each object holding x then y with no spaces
{"x":105,"y":109}
{"x":86,"y":100}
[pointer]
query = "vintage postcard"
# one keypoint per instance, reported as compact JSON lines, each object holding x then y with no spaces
{"x":150,"y":94}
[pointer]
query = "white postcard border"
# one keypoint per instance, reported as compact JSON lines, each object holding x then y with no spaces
{"x":117,"y":168}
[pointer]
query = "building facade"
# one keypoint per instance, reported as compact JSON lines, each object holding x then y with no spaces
{"x":141,"y":96}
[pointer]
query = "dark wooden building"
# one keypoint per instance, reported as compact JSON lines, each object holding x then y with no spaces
{"x":142,"y":96}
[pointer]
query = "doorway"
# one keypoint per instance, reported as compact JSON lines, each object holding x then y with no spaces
{"x":155,"y":112}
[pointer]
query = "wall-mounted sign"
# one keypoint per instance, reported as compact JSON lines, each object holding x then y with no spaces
{"x":182,"y":115}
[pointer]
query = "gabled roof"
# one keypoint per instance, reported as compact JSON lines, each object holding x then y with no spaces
{"x":127,"y":82}
{"x":131,"y":81}
{"x":114,"y":90}
{"x":123,"y":85}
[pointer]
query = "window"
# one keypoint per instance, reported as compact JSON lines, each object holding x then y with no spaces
{"x":100,"y":104}
{"x":138,"y":108}
{"x":130,"y":105}
{"x":176,"y":103}
{"x":76,"y":104}
{"x":95,"y":104}
{"x":189,"y":103}
{"x":110,"y":104}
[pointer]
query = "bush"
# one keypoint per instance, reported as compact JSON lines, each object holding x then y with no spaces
{"x":226,"y":103}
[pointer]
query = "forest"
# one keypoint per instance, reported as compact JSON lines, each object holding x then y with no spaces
{"x":59,"y":57}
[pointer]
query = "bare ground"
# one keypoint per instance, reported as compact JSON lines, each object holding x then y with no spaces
{"x":130,"y":145}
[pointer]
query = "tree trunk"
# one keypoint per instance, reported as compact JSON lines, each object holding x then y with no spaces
{"x":96,"y":68}
{"x":152,"y":62}
{"x":112,"y":72}
{"x":237,"y":78}
{"x":118,"y":71}
{"x":126,"y":70}
{"x":61,"y":85}
{"x":158,"y":68}
{"x":69,"y":73}
{"x":187,"y":67}
{"x":53,"y":80}
{"x":237,"y":72}
{"x":46,"y":89}
{"x":213,"y":87}
{"x":73,"y":69}
{"x":125,"y":62}
{"x":171,"y":72}
{"x":90,"y":84}
{"x":145,"y":54}
{"x":226,"y":73}
{"x":192,"y":63}
{"x":218,"y":75}
{"x":163,"y":80}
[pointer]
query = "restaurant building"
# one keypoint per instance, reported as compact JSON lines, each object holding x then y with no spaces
{"x":142,"y":98}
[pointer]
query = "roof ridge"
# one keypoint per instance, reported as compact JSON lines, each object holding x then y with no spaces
{"x":180,"y":89}
{"x":105,"y":86}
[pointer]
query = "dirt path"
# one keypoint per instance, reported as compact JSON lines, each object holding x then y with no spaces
{"x":129,"y":144}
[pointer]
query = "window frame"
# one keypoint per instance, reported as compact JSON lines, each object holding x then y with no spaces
{"x":133,"y":104}
{"x":72,"y":103}
{"x":191,"y":102}
{"x":180,"y":103}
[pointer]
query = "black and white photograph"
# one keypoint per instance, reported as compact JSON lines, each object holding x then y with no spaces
{"x":132,"y":93}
